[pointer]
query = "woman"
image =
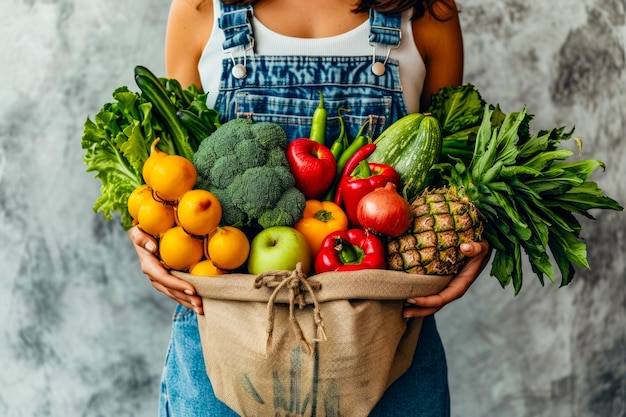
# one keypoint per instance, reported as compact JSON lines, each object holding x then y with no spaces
{"x":267,"y":61}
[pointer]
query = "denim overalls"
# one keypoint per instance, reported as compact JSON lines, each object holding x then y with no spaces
{"x":284,"y":90}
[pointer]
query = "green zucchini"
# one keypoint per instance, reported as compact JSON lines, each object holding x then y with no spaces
{"x":411,"y":145}
{"x":166,"y":113}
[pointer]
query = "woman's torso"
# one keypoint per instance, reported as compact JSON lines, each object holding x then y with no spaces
{"x":284,"y":77}
{"x":339,"y":65}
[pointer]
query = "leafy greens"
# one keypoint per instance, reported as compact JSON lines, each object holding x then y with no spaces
{"x":117,"y":141}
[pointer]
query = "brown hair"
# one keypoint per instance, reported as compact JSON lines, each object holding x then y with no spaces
{"x":443,"y":11}
{"x":439,"y":9}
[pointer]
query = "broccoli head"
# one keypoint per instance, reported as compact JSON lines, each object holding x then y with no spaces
{"x":260,"y":190}
{"x":287,"y":212}
{"x":270,"y":135}
{"x":231,"y":215}
{"x":237,"y":130}
{"x":243,"y":163}
{"x":251,"y":153}
{"x":224,"y":170}
{"x":277,"y":157}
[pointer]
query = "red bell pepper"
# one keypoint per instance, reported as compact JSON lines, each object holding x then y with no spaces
{"x":350,"y":250}
{"x":366,"y":177}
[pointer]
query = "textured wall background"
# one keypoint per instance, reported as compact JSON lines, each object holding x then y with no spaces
{"x":82,"y":333}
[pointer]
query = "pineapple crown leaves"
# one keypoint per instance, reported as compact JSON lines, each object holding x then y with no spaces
{"x":527,"y":194}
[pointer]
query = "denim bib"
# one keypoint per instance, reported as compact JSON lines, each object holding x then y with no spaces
{"x":284,"y":89}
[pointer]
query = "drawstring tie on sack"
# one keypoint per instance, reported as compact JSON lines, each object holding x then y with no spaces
{"x":297,"y":283}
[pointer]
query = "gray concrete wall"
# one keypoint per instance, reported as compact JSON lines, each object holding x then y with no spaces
{"x":82,"y":333}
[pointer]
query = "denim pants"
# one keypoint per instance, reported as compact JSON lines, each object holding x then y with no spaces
{"x":284,"y":90}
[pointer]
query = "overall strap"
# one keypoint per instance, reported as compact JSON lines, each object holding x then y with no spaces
{"x":235,"y":22}
{"x":385,"y":28}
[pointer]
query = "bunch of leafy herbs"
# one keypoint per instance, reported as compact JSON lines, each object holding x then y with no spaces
{"x":524,"y":186}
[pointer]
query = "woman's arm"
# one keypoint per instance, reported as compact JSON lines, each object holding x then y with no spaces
{"x":440,"y":41}
{"x":441,"y":44}
{"x":188,"y":29}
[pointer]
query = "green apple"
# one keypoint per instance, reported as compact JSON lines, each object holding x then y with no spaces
{"x":279,"y":248}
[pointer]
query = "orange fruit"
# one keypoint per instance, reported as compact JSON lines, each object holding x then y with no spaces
{"x":155,"y":155}
{"x":228,"y":247}
{"x":137,"y":198}
{"x":179,"y":250}
{"x":206,"y":268}
{"x":155,"y":217}
{"x":199,"y":212}
{"x":172,"y":176}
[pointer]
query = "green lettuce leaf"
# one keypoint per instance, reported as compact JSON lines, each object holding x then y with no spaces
{"x":116,"y":147}
{"x":457,"y":108}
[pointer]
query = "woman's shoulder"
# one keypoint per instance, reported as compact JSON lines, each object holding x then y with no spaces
{"x":438,"y":12}
{"x":189,"y":27}
{"x":199,"y":4}
{"x":191,"y":18}
{"x":440,"y":22}
{"x":191,"y":10}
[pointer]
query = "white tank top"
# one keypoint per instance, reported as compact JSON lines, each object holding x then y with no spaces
{"x":352,"y":43}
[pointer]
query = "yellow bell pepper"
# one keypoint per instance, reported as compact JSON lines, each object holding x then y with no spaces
{"x":320,"y":218}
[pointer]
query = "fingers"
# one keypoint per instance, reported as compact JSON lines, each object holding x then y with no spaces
{"x":415,"y":312}
{"x":424,"y":306}
{"x":193,"y":302}
{"x":478,"y":255}
{"x":473,"y":249}
{"x":175,"y":288}
{"x":142,"y":240}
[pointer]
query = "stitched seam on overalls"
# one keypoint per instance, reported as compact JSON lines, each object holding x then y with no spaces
{"x":235,"y":22}
{"x":385,"y":28}
{"x":185,"y":315}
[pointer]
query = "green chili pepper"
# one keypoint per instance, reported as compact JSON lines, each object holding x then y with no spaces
{"x":359,"y":141}
{"x":341,"y":143}
{"x":318,"y":122}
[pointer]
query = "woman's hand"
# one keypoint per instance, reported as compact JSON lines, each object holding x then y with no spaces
{"x":479,"y":254}
{"x":175,"y":288}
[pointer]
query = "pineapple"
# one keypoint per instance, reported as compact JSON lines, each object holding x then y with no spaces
{"x":442,"y":220}
{"x":517,"y":192}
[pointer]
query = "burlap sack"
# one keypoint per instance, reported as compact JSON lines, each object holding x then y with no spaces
{"x":282,"y":344}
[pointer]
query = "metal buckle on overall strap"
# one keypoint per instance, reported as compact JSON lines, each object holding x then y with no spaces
{"x":385,"y":29}
{"x":239,"y":70}
{"x":235,"y":22}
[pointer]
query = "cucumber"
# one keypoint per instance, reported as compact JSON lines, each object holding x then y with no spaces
{"x":195,"y":126}
{"x":411,"y":145}
{"x":177,"y":94}
{"x":145,"y":72}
